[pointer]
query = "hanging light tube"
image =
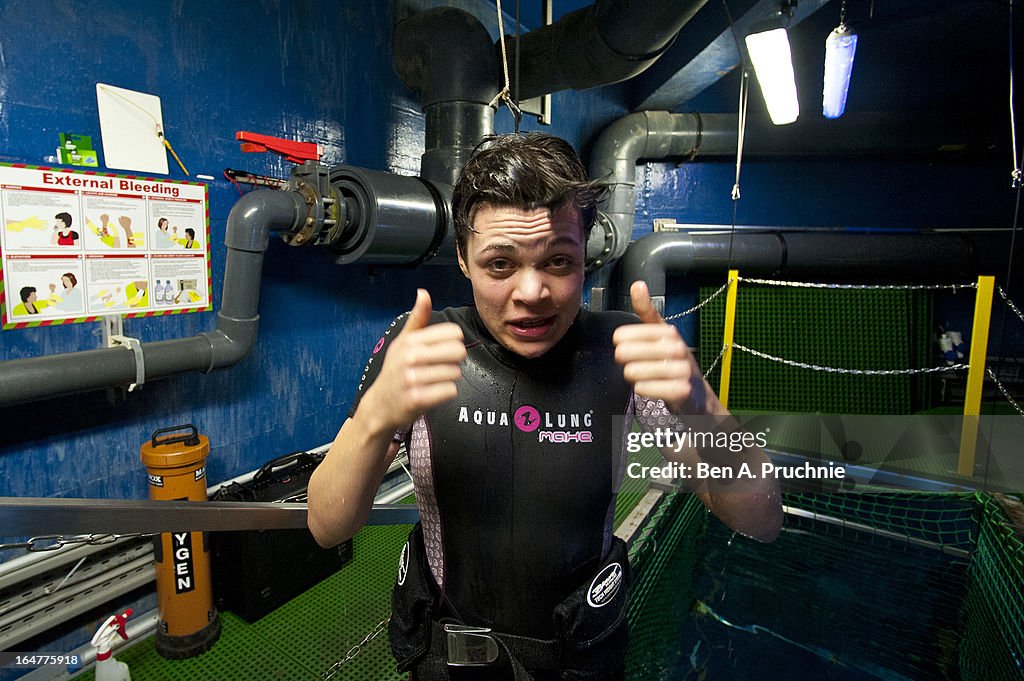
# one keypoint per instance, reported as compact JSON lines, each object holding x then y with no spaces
{"x":840,"y":48}
{"x":768,"y":47}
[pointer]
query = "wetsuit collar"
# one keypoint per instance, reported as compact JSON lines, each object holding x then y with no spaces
{"x":558,"y":354}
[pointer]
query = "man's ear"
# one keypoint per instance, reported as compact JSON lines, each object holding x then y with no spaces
{"x":462,"y":262}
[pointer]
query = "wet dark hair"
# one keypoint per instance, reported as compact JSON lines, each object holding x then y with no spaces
{"x":26,"y":291}
{"x":65,"y":218}
{"x":524,"y":171}
{"x":191,"y":232}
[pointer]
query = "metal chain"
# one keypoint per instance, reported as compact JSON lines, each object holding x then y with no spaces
{"x":356,"y":649}
{"x":701,"y":303}
{"x":54,"y":542}
{"x":862,"y":287}
{"x":1003,"y":391}
{"x":1010,"y":303}
{"x":715,"y":363}
{"x":860,"y":372}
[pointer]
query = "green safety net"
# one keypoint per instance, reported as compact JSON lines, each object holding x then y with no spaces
{"x":891,"y":585}
{"x":843,"y":328}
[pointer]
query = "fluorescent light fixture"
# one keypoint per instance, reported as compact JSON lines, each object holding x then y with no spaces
{"x":840,"y":47}
{"x":768,"y":47}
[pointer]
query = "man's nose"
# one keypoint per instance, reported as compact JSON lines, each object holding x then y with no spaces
{"x":531,"y":286}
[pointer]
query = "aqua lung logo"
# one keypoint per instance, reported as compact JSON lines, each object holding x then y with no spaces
{"x":527,"y":418}
{"x":605,"y":585}
{"x":403,"y":564}
{"x":556,"y":427}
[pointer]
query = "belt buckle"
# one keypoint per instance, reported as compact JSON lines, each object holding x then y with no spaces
{"x":470,"y":646}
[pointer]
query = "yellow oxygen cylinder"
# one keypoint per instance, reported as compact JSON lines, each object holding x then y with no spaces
{"x":175,"y":459}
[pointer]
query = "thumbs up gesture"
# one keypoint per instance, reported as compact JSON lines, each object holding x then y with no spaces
{"x":657,"y":361}
{"x":420,"y":369}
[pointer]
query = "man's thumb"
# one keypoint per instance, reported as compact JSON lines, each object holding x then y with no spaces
{"x":642,"y":305}
{"x":420,"y":314}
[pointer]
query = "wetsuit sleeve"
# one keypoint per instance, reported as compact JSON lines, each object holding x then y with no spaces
{"x":652,"y":414}
{"x":373,"y":365}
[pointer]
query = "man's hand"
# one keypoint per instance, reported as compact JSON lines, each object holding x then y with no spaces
{"x":657,"y":361}
{"x":420,"y":369}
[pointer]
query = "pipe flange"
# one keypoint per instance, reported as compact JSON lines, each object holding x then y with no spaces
{"x":310,"y":226}
{"x":597,"y":260}
{"x":311,"y":181}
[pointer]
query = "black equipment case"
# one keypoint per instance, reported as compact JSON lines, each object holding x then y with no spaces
{"x":256,"y":571}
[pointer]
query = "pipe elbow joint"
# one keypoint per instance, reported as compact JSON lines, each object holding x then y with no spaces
{"x":446,"y":54}
{"x":620,"y":146}
{"x":651,"y":256}
{"x":231,"y":341}
{"x":256,"y":214}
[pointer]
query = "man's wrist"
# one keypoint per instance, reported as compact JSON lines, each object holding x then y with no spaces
{"x":373,"y":417}
{"x":377,"y":418}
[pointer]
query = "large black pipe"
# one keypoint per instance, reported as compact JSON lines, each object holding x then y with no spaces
{"x":392,"y":219}
{"x":447,"y":56}
{"x":608,"y":42}
{"x":249,"y":224}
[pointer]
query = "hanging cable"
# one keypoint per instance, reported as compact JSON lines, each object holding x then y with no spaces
{"x":516,"y":98}
{"x":505,"y":93}
{"x":741,"y":131}
{"x":741,"y":125}
{"x":1017,"y":177}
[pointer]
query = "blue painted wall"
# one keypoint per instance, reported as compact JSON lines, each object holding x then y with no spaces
{"x":318,"y":71}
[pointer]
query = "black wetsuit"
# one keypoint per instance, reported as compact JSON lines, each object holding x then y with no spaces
{"x":515,"y":477}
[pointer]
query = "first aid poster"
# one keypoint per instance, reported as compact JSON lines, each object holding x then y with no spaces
{"x":76,"y":246}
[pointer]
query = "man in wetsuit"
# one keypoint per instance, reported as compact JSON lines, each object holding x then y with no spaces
{"x":509,"y":412}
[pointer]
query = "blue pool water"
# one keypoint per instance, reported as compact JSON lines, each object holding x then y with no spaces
{"x":823,"y":602}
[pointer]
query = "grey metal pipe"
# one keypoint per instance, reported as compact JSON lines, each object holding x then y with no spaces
{"x":833,"y":256}
{"x":645,"y":135}
{"x":608,"y":42}
{"x":249,"y":224}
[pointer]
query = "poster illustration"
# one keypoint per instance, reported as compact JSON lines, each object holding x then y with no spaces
{"x":78,"y":245}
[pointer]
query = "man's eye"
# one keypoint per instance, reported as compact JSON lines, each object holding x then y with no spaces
{"x":561,"y":262}
{"x":500,"y":266}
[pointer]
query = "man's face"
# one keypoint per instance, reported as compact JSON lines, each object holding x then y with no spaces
{"x":526,"y":267}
